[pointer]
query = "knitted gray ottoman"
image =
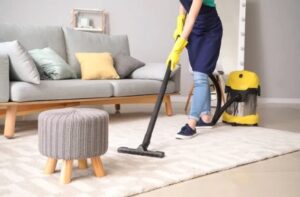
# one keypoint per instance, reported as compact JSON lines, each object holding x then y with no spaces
{"x":73,"y":134}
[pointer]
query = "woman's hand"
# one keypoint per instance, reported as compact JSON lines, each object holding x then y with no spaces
{"x":174,"y":56}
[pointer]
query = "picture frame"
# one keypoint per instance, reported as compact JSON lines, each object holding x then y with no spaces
{"x":91,"y":20}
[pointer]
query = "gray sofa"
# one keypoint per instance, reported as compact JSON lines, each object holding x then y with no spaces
{"x":17,"y":97}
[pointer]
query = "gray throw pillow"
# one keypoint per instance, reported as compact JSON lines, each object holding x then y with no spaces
{"x":125,"y":65}
{"x":155,"y":71}
{"x":51,"y":65}
{"x":22,"y":67}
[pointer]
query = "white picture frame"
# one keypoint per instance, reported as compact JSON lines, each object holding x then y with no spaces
{"x":94,"y":20}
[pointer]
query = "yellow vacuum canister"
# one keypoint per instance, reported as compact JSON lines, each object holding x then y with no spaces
{"x":242,"y":112}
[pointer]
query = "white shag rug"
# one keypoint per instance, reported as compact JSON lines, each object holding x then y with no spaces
{"x":221,"y":148}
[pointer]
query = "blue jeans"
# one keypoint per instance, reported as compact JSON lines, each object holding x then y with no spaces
{"x":201,"y":96}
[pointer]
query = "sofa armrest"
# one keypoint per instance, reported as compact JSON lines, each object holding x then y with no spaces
{"x":4,"y":78}
{"x":177,"y":79}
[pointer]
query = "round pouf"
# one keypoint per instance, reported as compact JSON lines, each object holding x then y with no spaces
{"x":73,"y":134}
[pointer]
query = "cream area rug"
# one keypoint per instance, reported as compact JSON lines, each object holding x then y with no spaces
{"x":221,"y":148}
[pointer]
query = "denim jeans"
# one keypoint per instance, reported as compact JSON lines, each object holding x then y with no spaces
{"x":201,"y":96}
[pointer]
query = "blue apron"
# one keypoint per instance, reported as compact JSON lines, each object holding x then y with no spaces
{"x":205,"y":39}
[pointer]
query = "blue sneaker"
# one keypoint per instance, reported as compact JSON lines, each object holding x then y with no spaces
{"x":186,"y":133}
{"x":203,"y":125}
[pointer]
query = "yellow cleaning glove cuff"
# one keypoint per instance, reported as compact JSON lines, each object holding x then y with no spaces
{"x":174,"y":56}
{"x":180,"y":24}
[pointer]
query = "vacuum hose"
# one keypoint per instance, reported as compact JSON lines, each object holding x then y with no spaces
{"x":220,"y":110}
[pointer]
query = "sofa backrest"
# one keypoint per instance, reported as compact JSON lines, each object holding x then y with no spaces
{"x":65,"y":41}
{"x":78,"y":41}
{"x":34,"y":37}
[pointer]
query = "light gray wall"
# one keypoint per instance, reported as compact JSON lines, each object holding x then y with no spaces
{"x":148,"y":23}
{"x":140,"y":19}
{"x":272,"y":33}
{"x":273,"y":46}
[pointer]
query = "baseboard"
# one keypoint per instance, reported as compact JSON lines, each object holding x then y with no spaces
{"x":262,"y":100}
{"x":279,"y":100}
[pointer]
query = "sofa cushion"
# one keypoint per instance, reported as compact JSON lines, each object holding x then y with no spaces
{"x":78,"y":42}
{"x":61,"y":89}
{"x":135,"y":87}
{"x":34,"y":37}
{"x":22,"y":67}
{"x":51,"y":64}
{"x":126,"y":64}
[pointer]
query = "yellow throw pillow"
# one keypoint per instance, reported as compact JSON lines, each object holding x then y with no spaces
{"x":96,"y":66}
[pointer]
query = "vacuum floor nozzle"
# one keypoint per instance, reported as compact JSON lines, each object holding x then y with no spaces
{"x":141,"y":151}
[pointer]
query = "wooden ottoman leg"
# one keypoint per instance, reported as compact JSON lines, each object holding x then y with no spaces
{"x":82,"y":164}
{"x":66,"y":172}
{"x":50,"y":166}
{"x":98,"y":167}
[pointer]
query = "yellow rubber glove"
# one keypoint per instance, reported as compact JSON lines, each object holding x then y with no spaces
{"x":174,"y":56}
{"x":180,"y":24}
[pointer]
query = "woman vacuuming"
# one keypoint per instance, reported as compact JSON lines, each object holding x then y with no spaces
{"x":199,"y":29}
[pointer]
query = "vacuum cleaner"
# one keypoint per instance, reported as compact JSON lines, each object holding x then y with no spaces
{"x":239,"y":90}
{"x":242,"y":112}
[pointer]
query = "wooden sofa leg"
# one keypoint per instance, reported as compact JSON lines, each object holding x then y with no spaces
{"x":10,"y":121}
{"x":168,"y":105}
{"x":118,"y":108}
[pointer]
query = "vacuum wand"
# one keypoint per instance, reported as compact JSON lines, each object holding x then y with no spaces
{"x":142,"y":150}
{"x":159,"y":101}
